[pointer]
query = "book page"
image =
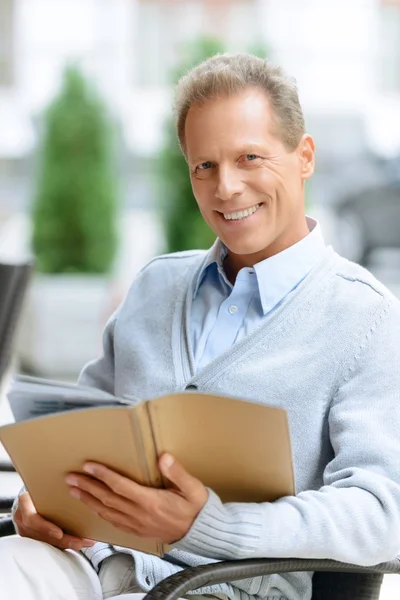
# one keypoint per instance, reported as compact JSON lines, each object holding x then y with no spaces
{"x":239,"y":449}
{"x":45,"y":449}
{"x":31,"y":397}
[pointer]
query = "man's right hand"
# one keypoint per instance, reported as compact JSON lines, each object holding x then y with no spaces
{"x":30,"y":524}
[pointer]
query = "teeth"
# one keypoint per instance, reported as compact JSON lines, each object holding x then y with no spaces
{"x":236,"y":216}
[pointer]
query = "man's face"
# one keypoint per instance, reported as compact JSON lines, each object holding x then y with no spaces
{"x":249,"y":187}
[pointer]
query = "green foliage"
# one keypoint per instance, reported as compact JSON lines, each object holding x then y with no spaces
{"x":75,"y":205}
{"x":260,"y":49}
{"x":184,"y":225}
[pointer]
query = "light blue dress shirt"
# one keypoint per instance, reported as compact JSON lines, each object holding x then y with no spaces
{"x":223,"y":314}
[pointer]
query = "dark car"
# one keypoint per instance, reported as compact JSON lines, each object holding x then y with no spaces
{"x":368,"y":208}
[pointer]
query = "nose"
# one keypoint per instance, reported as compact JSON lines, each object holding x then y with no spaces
{"x":229,"y":183}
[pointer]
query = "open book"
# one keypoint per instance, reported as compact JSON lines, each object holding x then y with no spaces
{"x":240,"y":449}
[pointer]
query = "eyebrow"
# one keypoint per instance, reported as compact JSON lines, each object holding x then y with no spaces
{"x":200,"y":159}
{"x":244,"y":149}
{"x":253,"y":146}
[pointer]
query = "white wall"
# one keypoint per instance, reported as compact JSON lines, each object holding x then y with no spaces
{"x":50,"y":33}
{"x":107,"y":37}
{"x":333,"y":49}
{"x":327,"y":46}
{"x":330,"y":47}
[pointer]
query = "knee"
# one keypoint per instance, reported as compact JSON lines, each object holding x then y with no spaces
{"x":13,"y":546}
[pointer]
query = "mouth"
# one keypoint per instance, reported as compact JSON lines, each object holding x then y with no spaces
{"x":241,"y":214}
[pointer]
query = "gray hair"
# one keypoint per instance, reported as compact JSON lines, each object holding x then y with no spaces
{"x":229,"y":74}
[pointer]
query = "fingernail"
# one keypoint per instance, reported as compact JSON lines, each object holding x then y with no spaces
{"x":71,"y":480}
{"x":88,"y":542}
{"x":167,"y":461}
{"x":75,"y":545}
{"x":88,"y":468}
{"x":75,"y":493}
{"x":55,"y":534}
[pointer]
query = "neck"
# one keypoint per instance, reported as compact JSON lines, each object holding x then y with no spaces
{"x":234,"y":262}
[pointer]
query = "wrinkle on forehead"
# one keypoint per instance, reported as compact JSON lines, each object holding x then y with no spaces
{"x":229,"y":121}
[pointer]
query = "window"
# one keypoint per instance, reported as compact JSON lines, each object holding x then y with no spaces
{"x":389,"y":41}
{"x":163,"y":27}
{"x":6,"y":42}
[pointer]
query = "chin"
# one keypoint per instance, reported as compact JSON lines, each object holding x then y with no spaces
{"x":246,"y":249}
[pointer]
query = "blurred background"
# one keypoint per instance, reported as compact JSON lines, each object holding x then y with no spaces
{"x":92,"y":183}
{"x":91,"y":179}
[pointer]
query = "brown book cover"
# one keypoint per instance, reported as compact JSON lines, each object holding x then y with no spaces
{"x":240,"y":449}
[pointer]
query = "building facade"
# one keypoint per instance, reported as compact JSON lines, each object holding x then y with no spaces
{"x":345,"y":56}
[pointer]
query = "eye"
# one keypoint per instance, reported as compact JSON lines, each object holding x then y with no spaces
{"x":203,"y":170}
{"x":249,"y":160}
{"x":204,"y":166}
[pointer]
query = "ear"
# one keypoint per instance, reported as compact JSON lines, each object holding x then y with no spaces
{"x":307,"y":156}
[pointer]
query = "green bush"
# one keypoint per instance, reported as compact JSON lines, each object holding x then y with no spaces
{"x":75,"y":205}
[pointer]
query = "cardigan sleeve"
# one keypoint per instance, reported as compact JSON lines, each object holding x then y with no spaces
{"x":355,"y":516}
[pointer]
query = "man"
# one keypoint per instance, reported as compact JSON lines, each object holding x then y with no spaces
{"x":270,"y":314}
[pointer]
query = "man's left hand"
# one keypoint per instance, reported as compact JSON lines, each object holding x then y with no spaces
{"x":164,"y":514}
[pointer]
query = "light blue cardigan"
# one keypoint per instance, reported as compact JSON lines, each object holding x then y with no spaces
{"x":330,"y":355}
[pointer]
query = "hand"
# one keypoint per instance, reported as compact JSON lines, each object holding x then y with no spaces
{"x":165,"y":514}
{"x":30,"y":524}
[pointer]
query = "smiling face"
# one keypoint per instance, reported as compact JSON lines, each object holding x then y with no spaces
{"x":248,"y":185}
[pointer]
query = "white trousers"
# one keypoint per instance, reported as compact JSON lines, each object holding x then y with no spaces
{"x":31,"y":570}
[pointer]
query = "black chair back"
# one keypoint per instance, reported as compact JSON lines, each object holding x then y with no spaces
{"x":346,"y":586}
{"x":14,"y":279}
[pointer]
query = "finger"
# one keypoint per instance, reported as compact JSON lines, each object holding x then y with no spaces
{"x":120,"y":485}
{"x":112,"y":515}
{"x":99,"y":490}
{"x":31,"y":524}
{"x":72,"y":542}
{"x":67,"y":542}
{"x":192,"y":489}
{"x":89,"y":484}
{"x":32,"y":520}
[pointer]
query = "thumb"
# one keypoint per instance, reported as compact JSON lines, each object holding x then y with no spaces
{"x":192,"y":489}
{"x":25,"y":504}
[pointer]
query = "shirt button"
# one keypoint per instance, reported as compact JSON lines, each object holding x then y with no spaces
{"x":233,"y":309}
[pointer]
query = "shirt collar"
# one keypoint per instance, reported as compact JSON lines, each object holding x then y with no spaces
{"x":216,"y":255}
{"x":279,"y":274}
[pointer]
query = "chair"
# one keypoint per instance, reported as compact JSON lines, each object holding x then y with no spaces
{"x":14,"y":279}
{"x":332,"y":580}
{"x":6,"y":524}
